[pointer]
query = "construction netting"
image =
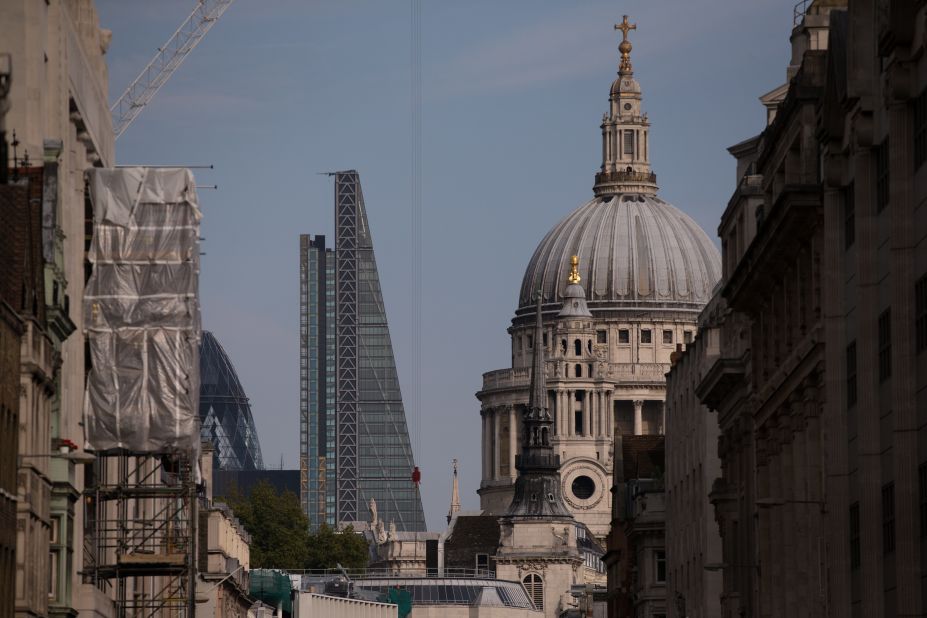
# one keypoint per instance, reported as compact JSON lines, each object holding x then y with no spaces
{"x":141,"y":311}
{"x":272,"y":587}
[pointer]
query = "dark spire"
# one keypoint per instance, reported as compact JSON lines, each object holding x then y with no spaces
{"x":537,"y":399}
{"x":537,"y":488}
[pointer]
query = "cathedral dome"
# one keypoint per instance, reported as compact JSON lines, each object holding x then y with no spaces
{"x":635,"y":251}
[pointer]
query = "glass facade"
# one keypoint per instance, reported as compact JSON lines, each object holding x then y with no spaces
{"x":225,"y":412}
{"x":354,"y":438}
{"x":317,"y":378}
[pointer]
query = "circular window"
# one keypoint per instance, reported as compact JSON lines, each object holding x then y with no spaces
{"x":583,"y":487}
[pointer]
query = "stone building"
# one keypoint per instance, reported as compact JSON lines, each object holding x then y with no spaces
{"x":59,"y":112}
{"x":692,"y":465}
{"x":636,"y":555}
{"x":647,"y":270}
{"x":820,"y":380}
{"x":12,"y":199}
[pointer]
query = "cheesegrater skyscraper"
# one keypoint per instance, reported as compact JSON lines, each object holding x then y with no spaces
{"x":354,"y":439}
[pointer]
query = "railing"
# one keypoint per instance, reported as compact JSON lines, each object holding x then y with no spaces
{"x":360,"y":574}
{"x":625,"y":176}
{"x":798,"y":12}
{"x":515,"y":378}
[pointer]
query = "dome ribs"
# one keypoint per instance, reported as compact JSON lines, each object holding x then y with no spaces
{"x":636,"y":251}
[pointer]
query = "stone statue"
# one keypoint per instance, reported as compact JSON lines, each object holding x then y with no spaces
{"x":373,"y":513}
{"x":379,"y":532}
{"x":392,"y":531}
{"x":564,"y":538}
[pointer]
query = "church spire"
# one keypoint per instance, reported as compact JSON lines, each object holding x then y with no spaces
{"x":625,"y":132}
{"x":537,"y":488}
{"x":455,"y":496}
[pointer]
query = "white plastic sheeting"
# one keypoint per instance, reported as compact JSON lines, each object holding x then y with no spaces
{"x":142,"y":312}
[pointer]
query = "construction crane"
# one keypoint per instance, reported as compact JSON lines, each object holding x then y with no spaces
{"x":162,"y":66}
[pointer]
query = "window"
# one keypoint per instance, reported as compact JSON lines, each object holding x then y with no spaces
{"x":881,"y":175}
{"x":545,"y":340}
{"x":885,"y":345}
{"x":851,"y":374}
{"x":920,"y":314}
{"x":659,"y":558}
{"x":578,"y":347}
{"x":854,"y":536}
{"x":482,"y":563}
{"x":534,"y":586}
{"x":578,"y":422}
{"x":687,"y":336}
{"x":922,"y":487}
{"x":849,"y":216}
{"x":920,"y":130}
{"x":667,"y":336}
{"x":629,"y":142}
{"x":601,"y":336}
{"x":645,"y":335}
{"x":530,"y":341}
{"x":579,"y":370}
{"x":624,"y":336}
{"x":888,"y":518}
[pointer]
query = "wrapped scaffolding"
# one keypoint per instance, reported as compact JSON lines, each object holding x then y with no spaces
{"x":142,"y":324}
{"x":141,"y":312}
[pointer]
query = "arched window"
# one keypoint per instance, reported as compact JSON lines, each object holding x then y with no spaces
{"x":534,"y":586}
{"x":578,"y":347}
{"x":579,"y":370}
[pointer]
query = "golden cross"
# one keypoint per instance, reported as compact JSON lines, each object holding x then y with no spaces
{"x":625,"y":27}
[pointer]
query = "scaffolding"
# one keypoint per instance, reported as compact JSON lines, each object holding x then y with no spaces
{"x":140,"y":533}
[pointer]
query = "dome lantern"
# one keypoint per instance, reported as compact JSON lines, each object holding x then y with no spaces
{"x":625,"y":132}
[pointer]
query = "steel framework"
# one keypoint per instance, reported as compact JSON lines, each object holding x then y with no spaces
{"x":346,"y":200}
{"x":140,"y":534}
{"x":170,"y":55}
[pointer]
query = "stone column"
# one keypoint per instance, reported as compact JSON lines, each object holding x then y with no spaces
{"x":589,"y":400}
{"x":484,"y":416}
{"x":569,"y":415}
{"x":496,"y":413}
{"x":513,"y":441}
{"x":610,"y":414}
{"x":638,"y":417}
{"x":663,"y":418}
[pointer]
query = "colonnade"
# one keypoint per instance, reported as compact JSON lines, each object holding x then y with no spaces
{"x":592,"y":416}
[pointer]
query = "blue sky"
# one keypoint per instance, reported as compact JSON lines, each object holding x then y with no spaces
{"x":513,"y":93}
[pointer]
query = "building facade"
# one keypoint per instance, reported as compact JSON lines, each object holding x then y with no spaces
{"x":693,"y":546}
{"x":317,"y":379}
{"x":225,"y":411}
{"x":647,"y":270}
{"x":59,"y":111}
{"x":819,"y":385}
{"x":354,"y":437}
{"x":635,"y":559}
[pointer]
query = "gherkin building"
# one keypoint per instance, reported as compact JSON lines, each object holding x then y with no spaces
{"x":225,"y":411}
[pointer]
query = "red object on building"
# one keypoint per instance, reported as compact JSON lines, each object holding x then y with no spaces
{"x":416,"y":476}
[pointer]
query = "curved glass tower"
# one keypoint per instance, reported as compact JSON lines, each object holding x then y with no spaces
{"x":225,"y":411}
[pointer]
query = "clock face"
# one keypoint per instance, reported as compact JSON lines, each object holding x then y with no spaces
{"x":627,"y":106}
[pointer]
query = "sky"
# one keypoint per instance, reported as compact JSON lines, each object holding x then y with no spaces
{"x":513,"y":94}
